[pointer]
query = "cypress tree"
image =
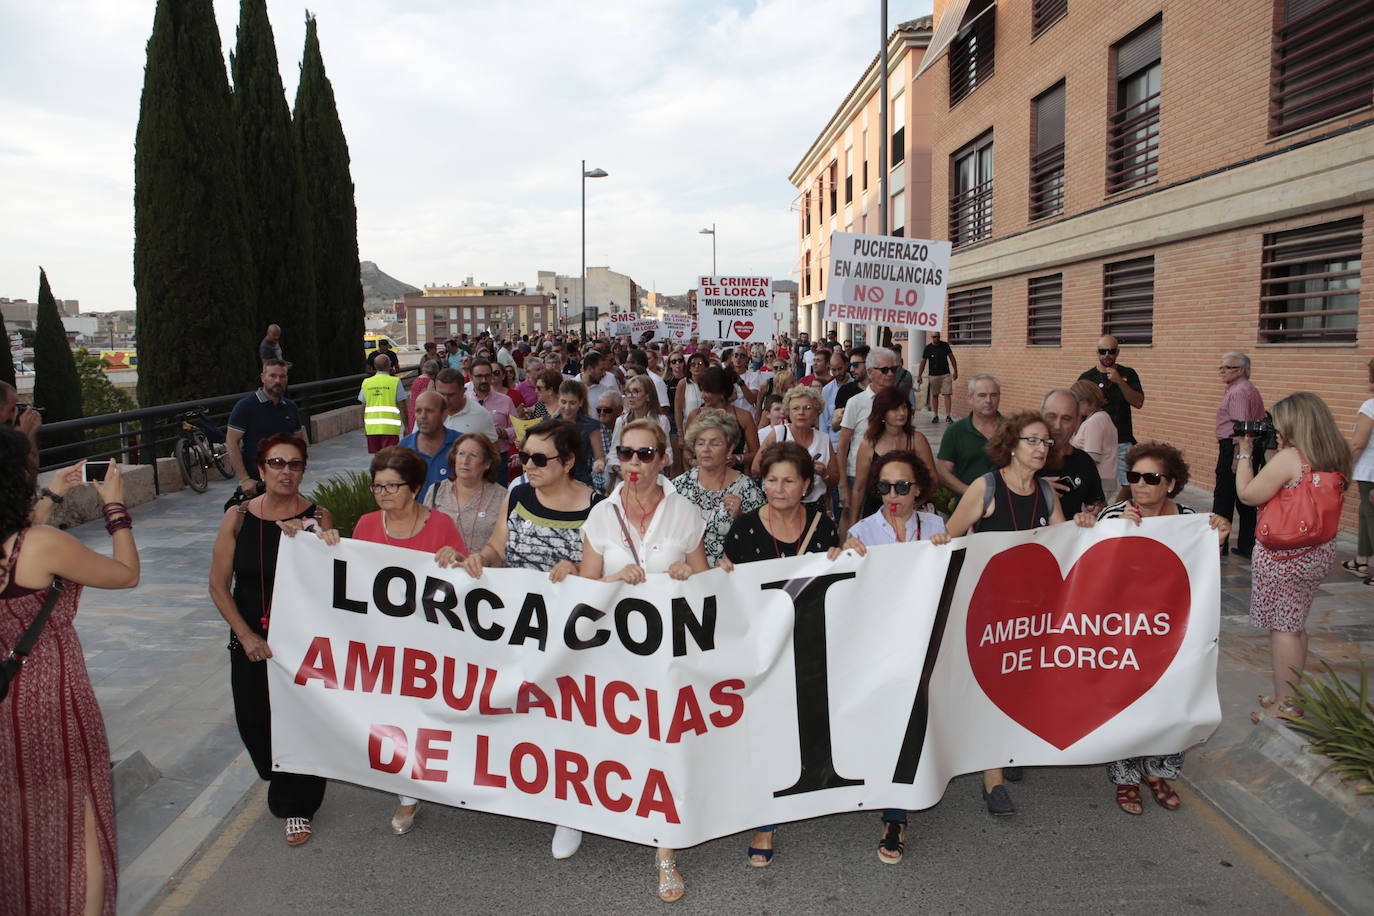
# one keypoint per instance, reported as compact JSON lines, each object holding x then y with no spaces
{"x":192,"y":264}
{"x":56,"y":386}
{"x":274,"y":192}
{"x":333,"y":214}
{"x":6,"y":358}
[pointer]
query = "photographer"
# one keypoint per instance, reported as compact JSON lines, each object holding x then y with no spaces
{"x":22,"y":417}
{"x":1241,"y":402}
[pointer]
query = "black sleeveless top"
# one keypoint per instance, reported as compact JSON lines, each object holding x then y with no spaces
{"x":255,"y":565}
{"x":1014,"y":512}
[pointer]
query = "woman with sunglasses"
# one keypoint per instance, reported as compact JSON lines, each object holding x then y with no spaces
{"x":1156,"y":473}
{"x":716,"y":389}
{"x":398,"y":475}
{"x":783,"y":527}
{"x":802,"y":407}
{"x":641,"y":403}
{"x":902,"y":481}
{"x":889,"y":429}
{"x":243,"y":569}
{"x":1010,"y":498}
{"x":539,"y":527}
{"x":546,"y":385}
{"x":687,"y":398}
{"x":673,"y":377}
{"x":643,"y":527}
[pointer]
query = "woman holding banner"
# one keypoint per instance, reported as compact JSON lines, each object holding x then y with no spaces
{"x":398,"y":476}
{"x":243,"y":570}
{"x":889,"y":429}
{"x":471,"y":496}
{"x":643,"y":527}
{"x":802,"y":407}
{"x":539,"y":527}
{"x":1157,"y":473}
{"x":1010,"y":498}
{"x":783,"y":527}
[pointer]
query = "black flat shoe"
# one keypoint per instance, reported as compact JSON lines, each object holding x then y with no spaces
{"x":1012,"y":774}
{"x":999,"y":801}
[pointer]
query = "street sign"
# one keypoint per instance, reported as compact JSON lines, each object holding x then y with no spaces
{"x":886,"y":280}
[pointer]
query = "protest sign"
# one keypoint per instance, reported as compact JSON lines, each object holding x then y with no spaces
{"x":677,"y":328}
{"x":736,"y":310}
{"x":640,"y":326}
{"x":879,"y":279}
{"x":620,"y":322}
{"x":645,"y":712}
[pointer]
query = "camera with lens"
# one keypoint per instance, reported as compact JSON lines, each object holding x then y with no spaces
{"x":1262,"y":431}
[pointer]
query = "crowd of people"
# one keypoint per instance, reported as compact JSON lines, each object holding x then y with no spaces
{"x":613,"y":461}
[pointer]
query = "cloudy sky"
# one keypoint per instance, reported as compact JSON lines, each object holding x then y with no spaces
{"x":466,"y":123}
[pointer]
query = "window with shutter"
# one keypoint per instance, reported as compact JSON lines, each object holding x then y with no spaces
{"x":898,"y":130}
{"x":970,"y":206}
{"x":971,"y":52}
{"x":1044,"y":310}
{"x":1133,"y":129}
{"x":1128,"y":300}
{"x":1047,"y":155}
{"x":1310,"y":284}
{"x":968,"y":315}
{"x":1323,"y":62}
{"x":1045,"y":13}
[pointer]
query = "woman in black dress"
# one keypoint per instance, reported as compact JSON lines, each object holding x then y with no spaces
{"x":243,"y":569}
{"x":783,"y":526}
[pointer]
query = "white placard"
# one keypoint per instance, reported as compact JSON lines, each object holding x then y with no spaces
{"x":885,"y":280}
{"x":734,"y":310}
{"x":678,"y":328}
{"x":642,"y":712}
{"x":620,"y":322}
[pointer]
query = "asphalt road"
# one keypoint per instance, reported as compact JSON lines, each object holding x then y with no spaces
{"x":1068,"y":850}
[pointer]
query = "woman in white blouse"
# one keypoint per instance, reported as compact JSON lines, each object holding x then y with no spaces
{"x":803,"y":406}
{"x":644,"y":526}
{"x":641,"y":403}
{"x":1097,"y":434}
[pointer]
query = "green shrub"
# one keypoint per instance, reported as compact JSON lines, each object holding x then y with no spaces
{"x":944,"y":500}
{"x":348,"y":497}
{"x":1339,"y":721}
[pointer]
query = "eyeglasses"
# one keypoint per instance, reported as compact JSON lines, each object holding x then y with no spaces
{"x":1153,"y":480}
{"x":856,"y":365}
{"x":1227,"y":368}
{"x":605,"y":410}
{"x":390,"y":489}
{"x":1103,"y":351}
{"x":277,"y":464}
{"x":677,"y":359}
{"x":885,"y":370}
{"x":539,"y":460}
{"x":903,"y":487}
{"x":646,"y":454}
{"x":1036,"y":441}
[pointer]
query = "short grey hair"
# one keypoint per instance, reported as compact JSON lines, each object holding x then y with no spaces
{"x":1053,"y":391}
{"x":713,"y":418}
{"x":1241,"y":358}
{"x":613,"y":396}
{"x":876,"y":352}
{"x":982,"y":376}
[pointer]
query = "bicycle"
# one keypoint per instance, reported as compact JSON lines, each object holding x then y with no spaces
{"x":200,"y":444}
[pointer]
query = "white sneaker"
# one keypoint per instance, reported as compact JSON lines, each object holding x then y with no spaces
{"x":565,"y":842}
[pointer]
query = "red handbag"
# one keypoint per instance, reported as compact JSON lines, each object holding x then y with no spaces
{"x":1307,"y":515}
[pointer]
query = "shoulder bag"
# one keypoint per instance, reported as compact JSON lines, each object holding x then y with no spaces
{"x":1307,"y":515}
{"x":14,"y":661}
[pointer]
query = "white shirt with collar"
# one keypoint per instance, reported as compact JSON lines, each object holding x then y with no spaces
{"x":473,"y":418}
{"x":874,"y":529}
{"x":674,"y":532}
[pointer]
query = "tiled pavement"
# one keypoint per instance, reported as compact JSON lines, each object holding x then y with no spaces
{"x":157,"y":657}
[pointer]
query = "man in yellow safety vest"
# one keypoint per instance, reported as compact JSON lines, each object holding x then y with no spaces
{"x":383,"y":417}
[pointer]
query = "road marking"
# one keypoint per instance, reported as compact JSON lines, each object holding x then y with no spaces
{"x":1255,"y":856}
{"x":186,"y":889}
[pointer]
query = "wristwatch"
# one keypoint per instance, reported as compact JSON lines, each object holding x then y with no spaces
{"x":49,"y":494}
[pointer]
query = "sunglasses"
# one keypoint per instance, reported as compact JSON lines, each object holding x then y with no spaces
{"x":1103,"y":351}
{"x":390,"y":489}
{"x":539,"y":460}
{"x":278,"y":464}
{"x":903,"y":487}
{"x":677,"y":360}
{"x":1153,"y":480}
{"x":1226,"y":368}
{"x":605,"y":410}
{"x":885,"y":370}
{"x":856,"y":365}
{"x":625,"y":453}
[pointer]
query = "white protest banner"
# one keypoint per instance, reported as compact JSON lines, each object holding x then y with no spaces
{"x":677,"y":328}
{"x":640,"y":326}
{"x":670,"y":713}
{"x":735,"y":310}
{"x":620,"y":322}
{"x":880,"y":279}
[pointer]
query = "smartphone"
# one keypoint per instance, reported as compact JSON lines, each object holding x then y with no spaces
{"x":95,"y":471}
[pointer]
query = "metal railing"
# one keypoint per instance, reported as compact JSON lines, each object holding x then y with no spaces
{"x":143,"y":435}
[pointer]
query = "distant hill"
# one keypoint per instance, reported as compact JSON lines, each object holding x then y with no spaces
{"x":379,"y":288}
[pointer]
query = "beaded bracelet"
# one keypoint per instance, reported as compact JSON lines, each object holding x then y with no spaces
{"x":113,"y":509}
{"x":119,"y":524}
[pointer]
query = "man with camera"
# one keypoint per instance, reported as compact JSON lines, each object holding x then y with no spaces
{"x":22,"y":417}
{"x":1241,"y":404}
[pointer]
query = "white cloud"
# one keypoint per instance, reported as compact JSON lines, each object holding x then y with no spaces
{"x":466,"y":125}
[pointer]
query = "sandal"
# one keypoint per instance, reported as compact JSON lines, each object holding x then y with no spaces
{"x":670,"y":886}
{"x":765,"y":856}
{"x":1356,"y":569}
{"x":297,"y":831}
{"x":1129,"y":795}
{"x":1282,"y":710}
{"x":1164,"y":794}
{"x":893,"y":843}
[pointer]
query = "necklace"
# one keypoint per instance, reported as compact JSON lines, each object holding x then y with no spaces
{"x":1011,"y":503}
{"x":899,"y":527}
{"x":414,"y":526}
{"x":701,"y":479}
{"x":463,"y":531}
{"x":646,"y":514}
{"x":262,"y":564}
{"x":777,"y":546}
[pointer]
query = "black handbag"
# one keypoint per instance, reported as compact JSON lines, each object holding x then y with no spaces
{"x":14,"y":661}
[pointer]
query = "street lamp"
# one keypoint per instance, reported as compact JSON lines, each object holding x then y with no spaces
{"x":712,"y":233}
{"x":594,"y":173}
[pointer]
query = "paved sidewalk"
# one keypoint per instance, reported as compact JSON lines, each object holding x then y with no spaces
{"x":157,"y":658}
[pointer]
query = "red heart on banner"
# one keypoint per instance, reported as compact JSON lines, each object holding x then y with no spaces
{"x":743,"y":329}
{"x":1063,"y":655}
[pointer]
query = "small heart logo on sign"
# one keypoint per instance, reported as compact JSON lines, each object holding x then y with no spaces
{"x":1062,"y":655}
{"x":743,"y":329}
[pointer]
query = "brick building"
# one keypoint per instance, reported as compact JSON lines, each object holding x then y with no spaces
{"x":439,"y":313}
{"x":1194,"y":178}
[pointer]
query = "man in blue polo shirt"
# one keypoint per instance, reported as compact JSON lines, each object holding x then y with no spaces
{"x":431,"y":440}
{"x":256,"y":416}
